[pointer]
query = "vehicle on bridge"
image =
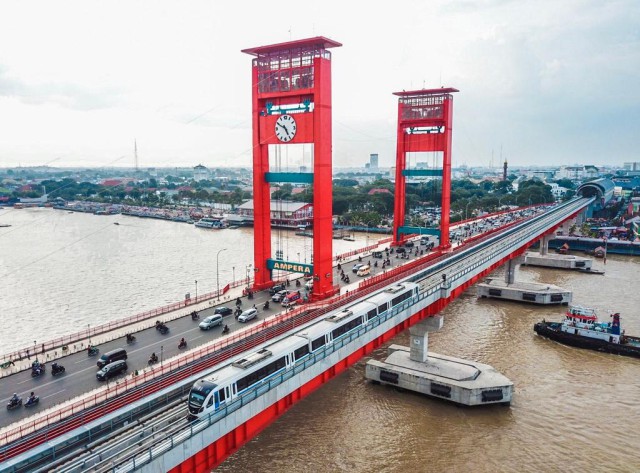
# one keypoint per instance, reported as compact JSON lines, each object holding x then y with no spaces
{"x":223,"y":311}
{"x":280,"y":295}
{"x":277,"y":288}
{"x":111,"y":370}
{"x":210,"y":322}
{"x":248,"y":314}
{"x":226,"y":383}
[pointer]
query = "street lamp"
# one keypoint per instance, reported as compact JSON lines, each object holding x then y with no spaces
{"x":248,"y":280}
{"x":233,"y":273}
{"x":218,"y":273}
{"x":196,"y":290}
{"x":161,"y":354}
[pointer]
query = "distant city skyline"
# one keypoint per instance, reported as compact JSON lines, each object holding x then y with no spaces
{"x":540,"y":82}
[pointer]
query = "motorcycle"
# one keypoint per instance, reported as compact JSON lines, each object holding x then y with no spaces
{"x":37,"y":370}
{"x":194,"y":315}
{"x":57,"y":369}
{"x":250,"y":295}
{"x":131,"y":338}
{"x":162,"y":328}
{"x":238,"y":302}
{"x":32,"y":401}
{"x":153,"y":359}
{"x":265,"y":306}
{"x":14,"y":404}
{"x":237,"y":313}
{"x":92,"y":351}
{"x":225,"y":329}
{"x":182,"y":344}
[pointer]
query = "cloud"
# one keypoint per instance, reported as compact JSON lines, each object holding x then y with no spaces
{"x":67,"y":95}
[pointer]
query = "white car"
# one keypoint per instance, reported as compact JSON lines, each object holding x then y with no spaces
{"x":211,"y":322}
{"x":248,"y":314}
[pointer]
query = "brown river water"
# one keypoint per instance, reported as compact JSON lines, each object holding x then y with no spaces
{"x":573,"y":410}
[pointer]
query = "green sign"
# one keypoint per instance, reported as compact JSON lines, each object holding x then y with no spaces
{"x":290,"y":266}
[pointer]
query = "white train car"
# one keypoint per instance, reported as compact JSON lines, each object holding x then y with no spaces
{"x":228,"y":382}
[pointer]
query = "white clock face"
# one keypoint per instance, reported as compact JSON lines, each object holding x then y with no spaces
{"x":285,"y":128}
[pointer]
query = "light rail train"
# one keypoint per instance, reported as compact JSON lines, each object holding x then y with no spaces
{"x":230,"y":381}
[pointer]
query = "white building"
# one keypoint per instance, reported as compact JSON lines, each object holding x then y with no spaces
{"x":200,"y":173}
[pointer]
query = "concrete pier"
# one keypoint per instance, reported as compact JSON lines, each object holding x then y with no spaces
{"x":534,"y":293}
{"x":440,"y":376}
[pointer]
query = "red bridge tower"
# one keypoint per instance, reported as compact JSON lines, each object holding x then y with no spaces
{"x":291,"y":94}
{"x":424,"y":124}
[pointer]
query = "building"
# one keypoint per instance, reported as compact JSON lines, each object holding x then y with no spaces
{"x":200,"y":173}
{"x":373,"y":161}
{"x":284,"y":214}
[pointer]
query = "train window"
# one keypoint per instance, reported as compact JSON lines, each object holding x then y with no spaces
{"x":317,"y":343}
{"x":300,"y":352}
{"x":260,"y":374}
{"x":210,"y":403}
{"x":402,"y":297}
{"x":346,"y":327}
{"x":371,"y":314}
{"x":383,"y":308}
{"x":221,"y":395}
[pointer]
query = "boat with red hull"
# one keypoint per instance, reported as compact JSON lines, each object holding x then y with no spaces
{"x":581,"y":328}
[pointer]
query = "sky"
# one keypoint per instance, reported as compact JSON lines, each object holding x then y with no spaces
{"x":541,"y":82}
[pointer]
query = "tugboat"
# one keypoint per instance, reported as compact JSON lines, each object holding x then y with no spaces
{"x":581,"y":328}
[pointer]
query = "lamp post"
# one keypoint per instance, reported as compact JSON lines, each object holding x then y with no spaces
{"x":248,"y":280}
{"x":161,"y":354}
{"x":233,"y":273}
{"x":218,"y":273}
{"x":196,"y":290}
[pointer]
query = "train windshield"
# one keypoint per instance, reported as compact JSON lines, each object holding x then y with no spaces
{"x":199,"y":392}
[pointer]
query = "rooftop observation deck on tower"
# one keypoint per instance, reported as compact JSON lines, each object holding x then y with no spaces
{"x":288,"y":67}
{"x":424,"y":104}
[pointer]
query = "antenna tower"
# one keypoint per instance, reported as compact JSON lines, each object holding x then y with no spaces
{"x":135,"y":154}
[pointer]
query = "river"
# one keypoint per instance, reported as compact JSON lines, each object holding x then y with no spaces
{"x":62,"y":271}
{"x":573,"y":410}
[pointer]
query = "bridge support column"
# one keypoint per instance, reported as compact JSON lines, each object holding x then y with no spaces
{"x":566,"y":225}
{"x":420,"y":337}
{"x":510,"y":273}
{"x":544,"y":244}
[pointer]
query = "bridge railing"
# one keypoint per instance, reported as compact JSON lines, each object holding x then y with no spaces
{"x":63,"y":343}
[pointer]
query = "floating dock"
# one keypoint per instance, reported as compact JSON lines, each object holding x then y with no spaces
{"x":534,"y":293}
{"x":456,"y":380}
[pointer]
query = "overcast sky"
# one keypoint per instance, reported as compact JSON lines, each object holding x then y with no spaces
{"x":541,"y":82}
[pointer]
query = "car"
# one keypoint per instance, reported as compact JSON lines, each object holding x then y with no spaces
{"x":278,"y":296}
{"x":248,"y":314}
{"x":211,"y":322}
{"x":409,"y":244}
{"x":111,"y":370}
{"x":223,"y":311}
{"x":356,"y":267}
{"x":364,"y":270}
{"x":291,"y":299}
{"x":277,"y":288}
{"x":400,"y":250}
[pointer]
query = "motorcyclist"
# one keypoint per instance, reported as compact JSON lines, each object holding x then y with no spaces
{"x":183,"y":343}
{"x":194,"y":315}
{"x":32,"y":398}
{"x":130,"y":337}
{"x":14,"y":399}
{"x":266,"y":305}
{"x":225,"y":329}
{"x":153,"y":358}
{"x":238,"y":302}
{"x":54,"y":367}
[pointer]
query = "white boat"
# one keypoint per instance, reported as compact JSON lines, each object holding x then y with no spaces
{"x":211,"y":222}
